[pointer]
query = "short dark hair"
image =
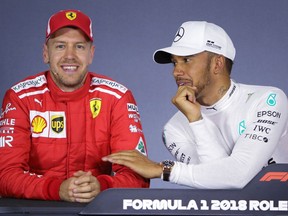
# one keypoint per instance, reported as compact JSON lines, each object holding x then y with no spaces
{"x":228,"y":62}
{"x":229,"y":65}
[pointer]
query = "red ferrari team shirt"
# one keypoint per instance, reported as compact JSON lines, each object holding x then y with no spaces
{"x":46,"y":135}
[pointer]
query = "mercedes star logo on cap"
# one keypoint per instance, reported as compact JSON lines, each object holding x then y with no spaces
{"x":179,"y":34}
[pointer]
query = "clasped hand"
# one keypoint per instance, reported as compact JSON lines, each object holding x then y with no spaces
{"x":81,"y":187}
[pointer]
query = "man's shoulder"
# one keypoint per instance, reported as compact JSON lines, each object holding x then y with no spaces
{"x":31,"y":82}
{"x":257,"y":95}
{"x":258,"y":88}
{"x":259,"y":91}
{"x":105,"y":82}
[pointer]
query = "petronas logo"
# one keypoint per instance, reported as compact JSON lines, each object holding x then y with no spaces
{"x":271,"y":100}
{"x":242,"y":127}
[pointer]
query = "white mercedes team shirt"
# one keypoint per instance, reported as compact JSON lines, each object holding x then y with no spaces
{"x":239,"y":135}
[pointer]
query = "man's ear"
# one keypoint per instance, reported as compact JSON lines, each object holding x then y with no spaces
{"x":45,"y":54}
{"x":219,"y":61}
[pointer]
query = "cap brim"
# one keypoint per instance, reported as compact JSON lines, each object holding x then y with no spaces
{"x":163,"y":56}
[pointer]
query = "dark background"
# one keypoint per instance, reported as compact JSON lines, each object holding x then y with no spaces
{"x":126,"y":34}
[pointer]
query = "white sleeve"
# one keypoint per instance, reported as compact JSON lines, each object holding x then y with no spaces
{"x":209,"y":140}
{"x":193,"y":143}
{"x":178,"y":140}
{"x":250,"y":154}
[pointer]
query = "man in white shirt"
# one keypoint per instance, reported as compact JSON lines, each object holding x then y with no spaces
{"x":224,"y":132}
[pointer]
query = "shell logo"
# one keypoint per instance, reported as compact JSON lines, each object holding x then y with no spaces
{"x":38,"y":124}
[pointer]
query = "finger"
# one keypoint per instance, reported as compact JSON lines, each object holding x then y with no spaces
{"x":85,"y":196}
{"x":120,"y":158}
{"x":126,"y":154}
{"x":86,"y":193}
{"x":84,"y":200}
{"x":79,"y":173}
{"x":82,"y":189}
{"x":183,"y":95}
{"x":84,"y":179}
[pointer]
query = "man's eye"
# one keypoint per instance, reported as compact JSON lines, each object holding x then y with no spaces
{"x":186,"y":60}
{"x":60,"y":46}
{"x":79,"y":46}
{"x":174,"y":63}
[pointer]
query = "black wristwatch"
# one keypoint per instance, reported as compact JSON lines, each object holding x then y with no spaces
{"x":167,"y":167}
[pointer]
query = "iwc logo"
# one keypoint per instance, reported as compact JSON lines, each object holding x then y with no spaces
{"x":179,"y":34}
{"x":71,"y":15}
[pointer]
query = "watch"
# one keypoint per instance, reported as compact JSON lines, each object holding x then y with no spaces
{"x":167,"y":167}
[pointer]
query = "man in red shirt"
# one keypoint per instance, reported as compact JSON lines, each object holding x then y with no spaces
{"x":57,"y":125}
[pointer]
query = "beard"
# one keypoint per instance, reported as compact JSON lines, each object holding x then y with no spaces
{"x":205,"y":82}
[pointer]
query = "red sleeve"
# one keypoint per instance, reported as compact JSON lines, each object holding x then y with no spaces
{"x":126,"y":134}
{"x":16,"y":180}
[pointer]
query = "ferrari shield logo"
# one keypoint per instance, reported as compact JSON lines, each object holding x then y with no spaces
{"x":95,"y":106}
{"x":71,"y":15}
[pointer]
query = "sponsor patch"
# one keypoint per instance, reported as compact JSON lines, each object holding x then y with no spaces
{"x":48,"y":124}
{"x":71,"y":15}
{"x":36,"y":82}
{"x":141,"y":147}
{"x":135,"y":129}
{"x":136,"y":117}
{"x":256,"y":137}
{"x":95,"y":106}
{"x":269,"y":113}
{"x":242,"y":127}
{"x":132,"y":107}
{"x":271,"y":100}
{"x":212,"y":44}
{"x":6,"y":141}
{"x":260,"y":128}
{"x":109,"y":83}
{"x":38,"y":124}
{"x":57,"y":123}
{"x":7,"y":109}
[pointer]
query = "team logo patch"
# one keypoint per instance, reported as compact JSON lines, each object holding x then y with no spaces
{"x":57,"y":123}
{"x":110,"y":83}
{"x":141,"y":147}
{"x":30,"y":83}
{"x":271,"y":100}
{"x":50,"y":124}
{"x":95,"y":106}
{"x":242,"y":127}
{"x":179,"y":34}
{"x":38,"y":124}
{"x":132,"y":107}
{"x":71,"y":15}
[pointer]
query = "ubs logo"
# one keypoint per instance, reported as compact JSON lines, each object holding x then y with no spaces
{"x":179,"y":34}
